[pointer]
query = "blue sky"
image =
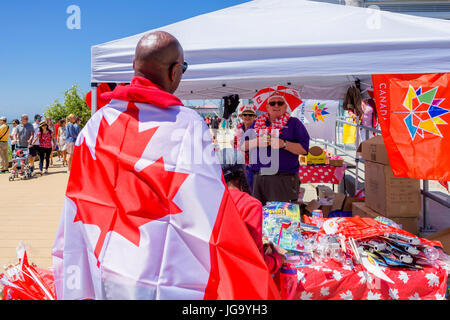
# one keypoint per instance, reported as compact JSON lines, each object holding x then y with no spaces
{"x":40,"y":57}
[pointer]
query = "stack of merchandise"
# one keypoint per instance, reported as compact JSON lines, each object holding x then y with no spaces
{"x":393,"y":197}
{"x":333,"y":254}
{"x":25,"y":281}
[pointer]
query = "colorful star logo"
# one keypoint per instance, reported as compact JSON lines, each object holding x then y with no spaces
{"x":319,"y":112}
{"x":424,"y":112}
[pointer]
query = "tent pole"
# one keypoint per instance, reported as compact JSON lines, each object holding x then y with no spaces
{"x":93,"y":98}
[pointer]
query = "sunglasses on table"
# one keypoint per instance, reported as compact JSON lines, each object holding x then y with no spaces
{"x":273,"y":103}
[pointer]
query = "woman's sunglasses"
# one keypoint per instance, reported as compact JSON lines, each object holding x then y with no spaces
{"x":273,"y":103}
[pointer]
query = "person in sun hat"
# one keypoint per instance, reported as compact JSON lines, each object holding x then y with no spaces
{"x":46,"y":138}
{"x":4,"y":136}
{"x":247,"y":114}
{"x":275,"y":141}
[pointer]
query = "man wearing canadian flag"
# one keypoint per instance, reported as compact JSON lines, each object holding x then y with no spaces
{"x":146,"y":213}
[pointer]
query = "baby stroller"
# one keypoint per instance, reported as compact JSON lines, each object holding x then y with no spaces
{"x":21,"y":168}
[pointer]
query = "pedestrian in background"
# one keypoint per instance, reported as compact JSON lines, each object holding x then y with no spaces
{"x":46,"y":138}
{"x":4,"y":137}
{"x":58,"y":152}
{"x":24,"y":133}
{"x":34,"y":147}
{"x":71,"y":137}
{"x":62,"y":144}
{"x":12,"y":135}
{"x":51,"y":128}
{"x":77,"y":125}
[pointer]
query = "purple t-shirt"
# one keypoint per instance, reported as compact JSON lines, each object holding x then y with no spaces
{"x":284,"y":161}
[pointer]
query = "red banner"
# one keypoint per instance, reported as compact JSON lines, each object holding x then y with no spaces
{"x":414,"y":115}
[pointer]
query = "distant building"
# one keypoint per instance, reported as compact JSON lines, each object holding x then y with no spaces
{"x":424,"y":8}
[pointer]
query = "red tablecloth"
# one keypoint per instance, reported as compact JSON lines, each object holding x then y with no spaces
{"x":334,"y":282}
{"x":321,"y":174}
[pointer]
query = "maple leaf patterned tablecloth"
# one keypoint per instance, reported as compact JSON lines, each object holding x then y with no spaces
{"x":336,"y":282}
{"x":321,"y":174}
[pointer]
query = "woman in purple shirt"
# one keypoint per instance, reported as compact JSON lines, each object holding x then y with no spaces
{"x":275,"y":144}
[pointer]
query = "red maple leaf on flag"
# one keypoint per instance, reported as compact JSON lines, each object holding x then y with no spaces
{"x":109,"y":192}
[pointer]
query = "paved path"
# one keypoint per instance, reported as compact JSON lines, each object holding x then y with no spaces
{"x":30,"y":212}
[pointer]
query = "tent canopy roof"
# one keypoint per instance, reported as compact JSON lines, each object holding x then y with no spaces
{"x":318,"y":48}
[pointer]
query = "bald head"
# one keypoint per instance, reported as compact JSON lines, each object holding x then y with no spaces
{"x":159,"y":58}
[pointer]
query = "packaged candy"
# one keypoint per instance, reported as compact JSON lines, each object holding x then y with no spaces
{"x":410,"y":240}
{"x":291,"y":210}
{"x":283,"y":231}
{"x":317,"y":218}
{"x":329,"y":247}
{"x":388,"y":222}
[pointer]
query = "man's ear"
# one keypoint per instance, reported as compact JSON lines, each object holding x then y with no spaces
{"x":134,"y":64}
{"x":172,"y":72}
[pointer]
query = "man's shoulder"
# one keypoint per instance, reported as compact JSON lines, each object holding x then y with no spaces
{"x":191,"y":114}
{"x":294,"y":121}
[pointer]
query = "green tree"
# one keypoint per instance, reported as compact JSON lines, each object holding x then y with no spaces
{"x":74,"y":102}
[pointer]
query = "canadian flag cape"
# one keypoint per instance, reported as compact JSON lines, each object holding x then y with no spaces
{"x":147,"y":214}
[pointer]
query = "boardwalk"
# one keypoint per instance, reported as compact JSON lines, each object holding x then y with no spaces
{"x":30,"y":213}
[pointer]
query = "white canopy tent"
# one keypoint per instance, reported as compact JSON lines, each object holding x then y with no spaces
{"x":318,"y":48}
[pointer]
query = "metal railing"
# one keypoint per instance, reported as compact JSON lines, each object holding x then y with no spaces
{"x":352,"y":153}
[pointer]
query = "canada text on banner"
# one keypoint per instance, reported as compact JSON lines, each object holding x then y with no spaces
{"x":319,"y":118}
{"x":414,"y":115}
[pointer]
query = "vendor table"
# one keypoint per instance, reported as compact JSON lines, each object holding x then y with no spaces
{"x":321,"y":174}
{"x":335,"y":282}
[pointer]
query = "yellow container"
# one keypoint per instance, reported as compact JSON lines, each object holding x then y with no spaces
{"x":316,"y":155}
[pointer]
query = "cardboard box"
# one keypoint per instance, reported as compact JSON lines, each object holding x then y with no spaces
{"x":335,"y":204}
{"x":408,"y":224}
{"x":391,"y":196}
{"x":324,"y":191}
{"x":348,"y":203}
{"x":338,"y":202}
{"x":444,"y":237}
{"x":374,"y":150}
{"x":312,"y":205}
{"x":336,"y":163}
{"x":326,"y":210}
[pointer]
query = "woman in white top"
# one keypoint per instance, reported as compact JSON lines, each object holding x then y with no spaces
{"x":62,"y":140}
{"x":12,"y":135}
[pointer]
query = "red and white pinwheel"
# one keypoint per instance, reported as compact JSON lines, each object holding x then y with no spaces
{"x":291,"y":96}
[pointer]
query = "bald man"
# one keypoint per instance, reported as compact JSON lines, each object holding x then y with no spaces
{"x":159,"y":58}
{"x":146,"y":204}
